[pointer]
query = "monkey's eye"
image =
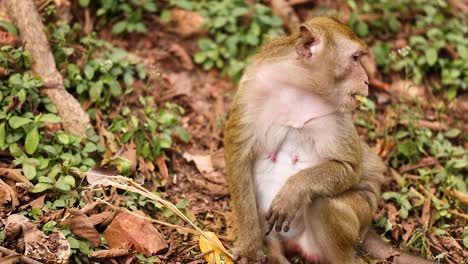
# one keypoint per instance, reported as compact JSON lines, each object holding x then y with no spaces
{"x":356,"y":57}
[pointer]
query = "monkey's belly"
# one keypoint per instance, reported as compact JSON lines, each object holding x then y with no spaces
{"x":271,"y":173}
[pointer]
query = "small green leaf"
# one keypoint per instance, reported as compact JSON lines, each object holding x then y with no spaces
{"x":62,"y":186}
{"x":29,"y":171}
{"x":182,"y":204}
{"x":182,"y":133}
{"x":63,"y":138}
{"x":165,"y":16}
{"x":431,"y":56}
{"x":362,"y":29}
{"x":50,"y":149}
{"x":453,"y":133}
{"x":84,"y":3}
{"x":69,"y":180}
{"x":50,"y":118}
{"x":2,"y":134}
{"x":32,"y":141}
{"x":89,"y":71}
{"x":74,"y":243}
{"x":119,"y":27}
{"x":9,"y":27}
{"x":45,"y":179}
{"x":165,"y":141}
{"x":89,"y":147}
{"x":40,"y":187}
{"x":200,"y":57}
{"x":17,"y":121}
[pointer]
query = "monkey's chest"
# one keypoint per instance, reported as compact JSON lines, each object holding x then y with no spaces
{"x":275,"y":166}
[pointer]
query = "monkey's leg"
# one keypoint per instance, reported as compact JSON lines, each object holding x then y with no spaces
{"x":336,"y":224}
{"x":276,"y":251}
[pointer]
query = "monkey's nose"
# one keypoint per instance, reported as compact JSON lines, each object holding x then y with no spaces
{"x":366,"y":82}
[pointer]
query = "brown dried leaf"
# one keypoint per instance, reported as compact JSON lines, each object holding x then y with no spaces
{"x":48,"y":249}
{"x":408,"y":89}
{"x":408,"y":227}
{"x":202,"y":162}
{"x":14,"y":175}
{"x":392,"y":214}
{"x":97,"y":219}
{"x":36,"y":203}
{"x":111,"y":253}
{"x":99,"y":175}
{"x":179,"y":52}
{"x":129,"y":229}
{"x":161,"y":162}
{"x":186,"y":23}
{"x":426,"y":213}
{"x":81,"y":226}
{"x":212,"y":188}
{"x":460,"y":196}
{"x":128,"y":151}
{"x":179,"y":84}
{"x":8,"y":194}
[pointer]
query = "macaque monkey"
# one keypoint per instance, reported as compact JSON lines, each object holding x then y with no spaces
{"x":298,"y":173}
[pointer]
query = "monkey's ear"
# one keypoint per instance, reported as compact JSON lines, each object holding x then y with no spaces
{"x":308,"y":42}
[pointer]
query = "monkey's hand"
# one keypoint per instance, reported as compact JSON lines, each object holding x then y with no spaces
{"x":244,"y":258}
{"x":282,"y":211}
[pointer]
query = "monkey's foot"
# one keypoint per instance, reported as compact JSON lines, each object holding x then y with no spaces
{"x":310,"y":257}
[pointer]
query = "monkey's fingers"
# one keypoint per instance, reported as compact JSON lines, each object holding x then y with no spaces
{"x":270,"y":224}
{"x":286,"y":225}
{"x":279,"y":223}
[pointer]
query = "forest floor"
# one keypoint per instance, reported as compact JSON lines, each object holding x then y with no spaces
{"x":419,"y":210}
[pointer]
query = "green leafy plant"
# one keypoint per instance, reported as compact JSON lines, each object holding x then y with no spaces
{"x":125,"y":16}
{"x":102,"y":79}
{"x":27,"y":119}
{"x":153,"y":131}
{"x":426,"y":56}
{"x":236,"y":30}
{"x":109,"y":78}
{"x":441,"y":48}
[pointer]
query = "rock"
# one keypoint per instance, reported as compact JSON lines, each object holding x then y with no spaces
{"x":129,"y":229}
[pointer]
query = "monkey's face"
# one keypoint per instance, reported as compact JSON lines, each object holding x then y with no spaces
{"x":351,"y":79}
{"x":332,"y":56}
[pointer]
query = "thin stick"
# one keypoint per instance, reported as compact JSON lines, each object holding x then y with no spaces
{"x":24,"y":259}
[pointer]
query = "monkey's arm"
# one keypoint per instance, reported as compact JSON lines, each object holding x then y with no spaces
{"x":340,"y":171}
{"x":239,"y":171}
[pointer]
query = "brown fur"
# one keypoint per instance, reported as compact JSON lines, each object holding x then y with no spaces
{"x":343,"y":189}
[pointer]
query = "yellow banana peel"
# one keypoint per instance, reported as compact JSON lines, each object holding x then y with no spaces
{"x":217,"y":256}
{"x":361,"y":99}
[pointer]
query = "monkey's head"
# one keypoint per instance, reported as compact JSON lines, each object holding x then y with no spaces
{"x":331,"y":52}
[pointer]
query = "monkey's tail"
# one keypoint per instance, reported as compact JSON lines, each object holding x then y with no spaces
{"x":377,"y":248}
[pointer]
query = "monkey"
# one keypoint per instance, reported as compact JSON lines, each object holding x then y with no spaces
{"x":297,"y":171}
